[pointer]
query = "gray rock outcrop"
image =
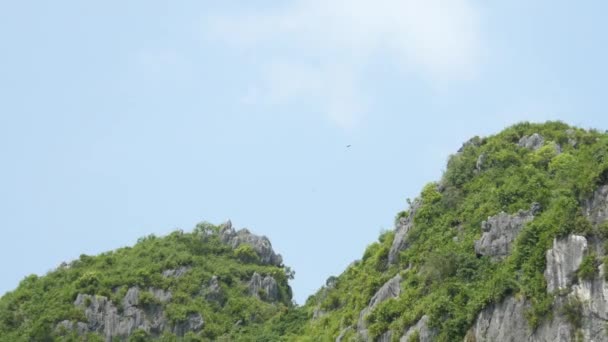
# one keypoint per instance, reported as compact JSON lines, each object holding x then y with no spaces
{"x":563,"y":260}
{"x":260,"y":244}
{"x":596,"y":207}
{"x":386,"y":337}
{"x":267,"y":287}
{"x":193,"y":322}
{"x":163,"y":296}
{"x":532,"y":142}
{"x":390,"y":289}
{"x":213,"y":291}
{"x":506,"y":321}
{"x":343,"y":333}
{"x":176,"y":272}
{"x":500,"y":231}
{"x":403,"y":226}
{"x":425,"y":334}
{"x":104,"y":317}
{"x":481,"y":160}
{"x":593,"y":296}
{"x":66,"y":326}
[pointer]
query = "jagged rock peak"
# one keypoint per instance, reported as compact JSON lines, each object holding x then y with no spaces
{"x":532,"y":142}
{"x":265,"y":288}
{"x":260,"y":244}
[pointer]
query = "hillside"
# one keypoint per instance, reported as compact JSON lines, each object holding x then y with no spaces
{"x":510,"y":245}
{"x":214,"y":283}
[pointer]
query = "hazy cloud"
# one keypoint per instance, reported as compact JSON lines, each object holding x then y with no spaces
{"x":319,"y":49}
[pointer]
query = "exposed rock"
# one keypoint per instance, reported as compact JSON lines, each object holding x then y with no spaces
{"x":501,"y":322}
{"x":480,"y":162}
{"x":386,"y":337}
{"x":425,"y":334}
{"x":176,"y":273}
{"x":343,"y":333}
{"x":404,"y":224}
{"x":390,"y":289}
{"x":260,"y":244}
{"x":506,"y":321}
{"x":160,"y":294}
{"x":194,"y":322}
{"x":267,"y":286}
{"x":213,"y":292}
{"x":571,"y":137}
{"x":318,"y":313}
{"x":532,"y":142}
{"x":596,"y":207}
{"x":103,"y":317}
{"x":558,"y":149}
{"x":563,"y":260}
{"x":67,"y":326}
{"x":500,"y":231}
{"x":593,"y":296}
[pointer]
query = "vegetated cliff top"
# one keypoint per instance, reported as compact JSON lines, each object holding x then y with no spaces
{"x":212,"y":283}
{"x":508,"y":245}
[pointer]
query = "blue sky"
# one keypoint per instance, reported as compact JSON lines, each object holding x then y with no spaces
{"x":121,"y":119}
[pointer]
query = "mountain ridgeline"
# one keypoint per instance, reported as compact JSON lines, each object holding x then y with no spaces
{"x":511,"y":244}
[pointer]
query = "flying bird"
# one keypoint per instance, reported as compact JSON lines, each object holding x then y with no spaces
{"x":347,"y":146}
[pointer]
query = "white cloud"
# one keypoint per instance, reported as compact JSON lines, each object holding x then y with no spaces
{"x":305,"y":42}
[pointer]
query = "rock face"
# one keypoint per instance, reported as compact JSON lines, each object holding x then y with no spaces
{"x":193,"y":322}
{"x":563,"y":260}
{"x":260,"y":244}
{"x":596,"y":208}
{"x":500,"y":231}
{"x":390,"y":289}
{"x":176,"y":273}
{"x":506,"y":321}
{"x":593,"y":296}
{"x":533,"y":142}
{"x":267,"y":286}
{"x":479,"y":164}
{"x":404,"y":224}
{"x":343,"y":333}
{"x":425,"y":334}
{"x":213,"y":292}
{"x":105,"y":318}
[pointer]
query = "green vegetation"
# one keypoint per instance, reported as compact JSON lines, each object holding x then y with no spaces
{"x":32,"y":311}
{"x":442,"y":277}
{"x":588,"y":268}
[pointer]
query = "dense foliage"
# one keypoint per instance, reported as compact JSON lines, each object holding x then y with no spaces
{"x":32,"y":311}
{"x":442,"y":275}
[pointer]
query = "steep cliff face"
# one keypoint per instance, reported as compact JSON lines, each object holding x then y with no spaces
{"x":509,"y":246}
